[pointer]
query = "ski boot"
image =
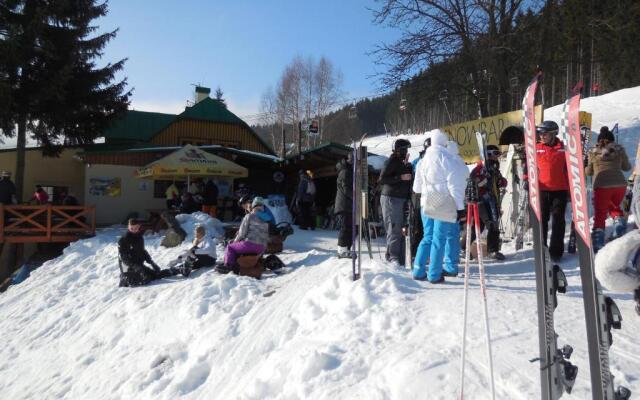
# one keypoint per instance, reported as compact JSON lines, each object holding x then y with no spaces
{"x":619,"y":227}
{"x":182,"y":269}
{"x":597,"y":237}
{"x":344,"y":252}
{"x":496,"y":255}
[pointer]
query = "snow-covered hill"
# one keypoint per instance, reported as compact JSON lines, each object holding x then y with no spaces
{"x":69,"y":332}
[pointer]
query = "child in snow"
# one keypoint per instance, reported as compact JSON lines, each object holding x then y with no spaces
{"x":132,"y":256}
{"x":252,"y":236}
{"x":204,"y":249}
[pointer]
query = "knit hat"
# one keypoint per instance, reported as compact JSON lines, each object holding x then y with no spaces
{"x":605,"y":133}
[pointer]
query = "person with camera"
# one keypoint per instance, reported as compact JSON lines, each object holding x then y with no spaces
{"x":490,"y":183}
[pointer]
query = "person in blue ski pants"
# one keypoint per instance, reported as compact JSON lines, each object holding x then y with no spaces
{"x":440,"y":243}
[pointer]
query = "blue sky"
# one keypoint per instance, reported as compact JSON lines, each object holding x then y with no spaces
{"x":240,"y":45}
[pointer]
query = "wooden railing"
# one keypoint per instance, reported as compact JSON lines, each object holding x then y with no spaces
{"x":46,"y":223}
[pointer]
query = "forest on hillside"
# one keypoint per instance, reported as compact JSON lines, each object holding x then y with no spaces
{"x":455,"y":62}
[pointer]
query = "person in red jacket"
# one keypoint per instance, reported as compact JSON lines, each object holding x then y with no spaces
{"x":554,"y":186}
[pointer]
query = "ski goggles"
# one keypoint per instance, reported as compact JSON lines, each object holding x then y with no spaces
{"x":494,"y":153}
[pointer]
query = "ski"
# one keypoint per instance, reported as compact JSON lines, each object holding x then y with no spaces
{"x":481,"y":138}
{"x":557,"y":374}
{"x":601,"y":312}
{"x":360,"y":169}
{"x":354,"y":214}
{"x":408,"y":262}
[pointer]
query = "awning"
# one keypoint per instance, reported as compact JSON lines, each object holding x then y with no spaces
{"x":190,"y":161}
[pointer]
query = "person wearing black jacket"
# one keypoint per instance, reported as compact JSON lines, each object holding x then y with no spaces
{"x":132,"y":256}
{"x":7,"y":189}
{"x":395,"y":178}
{"x":210,"y":198}
{"x":344,"y":204}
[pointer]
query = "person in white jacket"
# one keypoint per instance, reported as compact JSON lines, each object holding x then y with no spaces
{"x":441,"y":182}
{"x":204,"y":249}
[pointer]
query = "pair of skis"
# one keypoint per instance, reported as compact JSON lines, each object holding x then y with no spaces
{"x":601,"y":314}
{"x":360,"y":206}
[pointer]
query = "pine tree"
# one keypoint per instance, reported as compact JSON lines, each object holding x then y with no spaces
{"x":219,"y":96}
{"x":50,"y":84}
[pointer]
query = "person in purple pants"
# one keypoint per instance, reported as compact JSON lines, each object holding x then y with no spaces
{"x":252,"y":236}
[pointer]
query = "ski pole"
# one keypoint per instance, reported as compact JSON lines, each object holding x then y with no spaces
{"x":467,"y":257}
{"x":483,"y":290}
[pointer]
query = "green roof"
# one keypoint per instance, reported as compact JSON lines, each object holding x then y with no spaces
{"x":209,"y":109}
{"x":142,"y":126}
{"x":138,"y":125}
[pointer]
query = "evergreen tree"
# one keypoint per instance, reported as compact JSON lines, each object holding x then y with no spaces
{"x":50,"y":84}
{"x":219,"y":96}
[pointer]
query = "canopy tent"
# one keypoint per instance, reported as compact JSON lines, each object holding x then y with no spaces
{"x":188,"y":162}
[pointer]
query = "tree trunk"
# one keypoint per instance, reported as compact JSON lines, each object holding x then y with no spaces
{"x":20,"y":154}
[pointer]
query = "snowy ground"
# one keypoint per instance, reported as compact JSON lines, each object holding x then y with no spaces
{"x":70,"y":333}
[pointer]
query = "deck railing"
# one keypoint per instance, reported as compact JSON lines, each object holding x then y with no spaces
{"x":46,"y":223}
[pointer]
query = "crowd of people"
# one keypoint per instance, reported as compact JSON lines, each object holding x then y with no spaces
{"x":197,"y":196}
{"x":434,"y":185}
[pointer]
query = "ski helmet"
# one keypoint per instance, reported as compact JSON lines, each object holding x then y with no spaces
{"x":247,"y":198}
{"x":547,"y":127}
{"x":401,"y":144}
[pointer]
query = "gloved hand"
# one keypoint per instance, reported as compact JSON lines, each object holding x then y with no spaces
{"x":155,"y":266}
{"x":461,"y":215}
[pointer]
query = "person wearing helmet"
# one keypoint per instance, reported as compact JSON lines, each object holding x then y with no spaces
{"x":490,"y":182}
{"x":554,"y":186}
{"x":253,"y":234}
{"x":395,"y":178}
{"x":605,"y":162}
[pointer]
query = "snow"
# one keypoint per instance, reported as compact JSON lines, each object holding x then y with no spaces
{"x":69,"y":331}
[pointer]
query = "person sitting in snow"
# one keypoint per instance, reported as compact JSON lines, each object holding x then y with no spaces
{"x":132,"y":256}
{"x":204,"y":249}
{"x":253,"y":235}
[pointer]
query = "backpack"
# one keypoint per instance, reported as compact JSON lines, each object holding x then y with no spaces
{"x":311,"y":188}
